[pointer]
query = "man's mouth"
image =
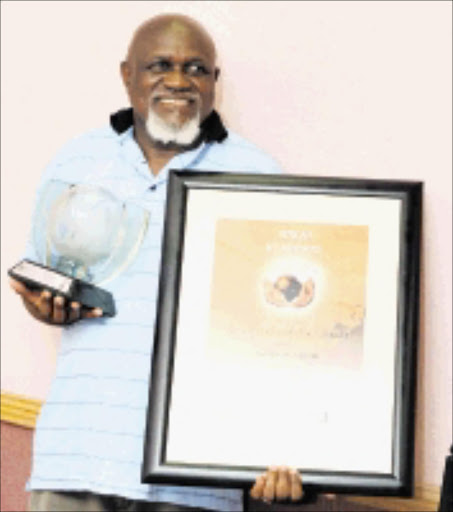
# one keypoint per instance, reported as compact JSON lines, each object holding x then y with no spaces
{"x":174,"y":101}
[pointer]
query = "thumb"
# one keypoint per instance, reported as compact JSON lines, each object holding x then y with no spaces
{"x":17,"y":286}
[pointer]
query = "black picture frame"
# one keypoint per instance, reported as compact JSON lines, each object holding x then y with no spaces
{"x":405,"y":197}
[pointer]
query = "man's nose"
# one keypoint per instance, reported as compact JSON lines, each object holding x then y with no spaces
{"x":177,"y":80}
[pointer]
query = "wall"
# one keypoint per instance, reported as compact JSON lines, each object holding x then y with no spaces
{"x":328,"y":88}
{"x":16,"y":444}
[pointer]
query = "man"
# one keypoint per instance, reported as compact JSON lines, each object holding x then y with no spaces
{"x":89,"y":437}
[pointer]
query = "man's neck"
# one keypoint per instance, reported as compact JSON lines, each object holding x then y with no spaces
{"x":156,"y":155}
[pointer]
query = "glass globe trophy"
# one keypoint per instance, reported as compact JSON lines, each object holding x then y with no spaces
{"x":84,"y":236}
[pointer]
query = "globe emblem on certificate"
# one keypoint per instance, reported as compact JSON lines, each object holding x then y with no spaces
{"x":289,"y":291}
{"x":84,"y":236}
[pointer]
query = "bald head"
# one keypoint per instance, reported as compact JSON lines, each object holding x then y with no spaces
{"x":167,"y":26}
{"x":170,"y":74}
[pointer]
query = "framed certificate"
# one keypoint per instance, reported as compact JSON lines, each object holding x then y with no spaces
{"x":286,"y":332}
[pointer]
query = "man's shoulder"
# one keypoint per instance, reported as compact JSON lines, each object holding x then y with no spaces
{"x":83,"y":153}
{"x":239,"y":153}
{"x":97,"y":142}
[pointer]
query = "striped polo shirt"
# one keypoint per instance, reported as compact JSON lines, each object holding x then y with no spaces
{"x":90,"y":433}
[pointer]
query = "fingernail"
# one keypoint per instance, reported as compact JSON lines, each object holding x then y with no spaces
{"x":46,"y":294}
{"x":59,"y":301}
{"x":75,"y":305}
{"x":97,"y":312}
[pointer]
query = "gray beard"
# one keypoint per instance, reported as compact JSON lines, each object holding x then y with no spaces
{"x":165,"y":133}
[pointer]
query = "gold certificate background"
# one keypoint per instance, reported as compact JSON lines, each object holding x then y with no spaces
{"x":250,"y":255}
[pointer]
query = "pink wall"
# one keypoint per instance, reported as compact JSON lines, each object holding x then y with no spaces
{"x":329,"y":88}
{"x":16,"y":457}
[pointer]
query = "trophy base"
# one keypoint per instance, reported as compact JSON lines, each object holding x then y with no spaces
{"x":40,"y":277}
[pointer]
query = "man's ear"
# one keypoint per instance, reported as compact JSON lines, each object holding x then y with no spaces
{"x":216,"y":73}
{"x":126,"y":73}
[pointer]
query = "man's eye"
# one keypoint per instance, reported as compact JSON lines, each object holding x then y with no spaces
{"x":196,"y":69}
{"x":160,"y":66}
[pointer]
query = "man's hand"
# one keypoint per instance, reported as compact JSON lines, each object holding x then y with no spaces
{"x":52,"y":310}
{"x":278,"y":484}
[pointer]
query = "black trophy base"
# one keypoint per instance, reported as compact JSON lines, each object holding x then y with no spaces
{"x":40,"y":277}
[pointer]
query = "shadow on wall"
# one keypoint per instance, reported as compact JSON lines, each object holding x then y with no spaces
{"x":16,"y":443}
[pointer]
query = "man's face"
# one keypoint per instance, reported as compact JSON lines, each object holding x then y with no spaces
{"x":171,"y":74}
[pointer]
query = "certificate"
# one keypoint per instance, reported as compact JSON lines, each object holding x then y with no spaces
{"x":286,"y":332}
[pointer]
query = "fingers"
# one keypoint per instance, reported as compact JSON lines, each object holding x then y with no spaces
{"x":283,"y":487}
{"x":92,"y":313}
{"x":51,"y":309}
{"x":74,"y":312}
{"x":279,"y":484}
{"x":77,"y":312}
{"x":257,"y":490}
{"x":296,"y":485}
{"x":62,"y":314}
{"x":59,"y":310}
{"x":68,"y":315}
{"x":43,"y":303}
{"x":269,"y":486}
